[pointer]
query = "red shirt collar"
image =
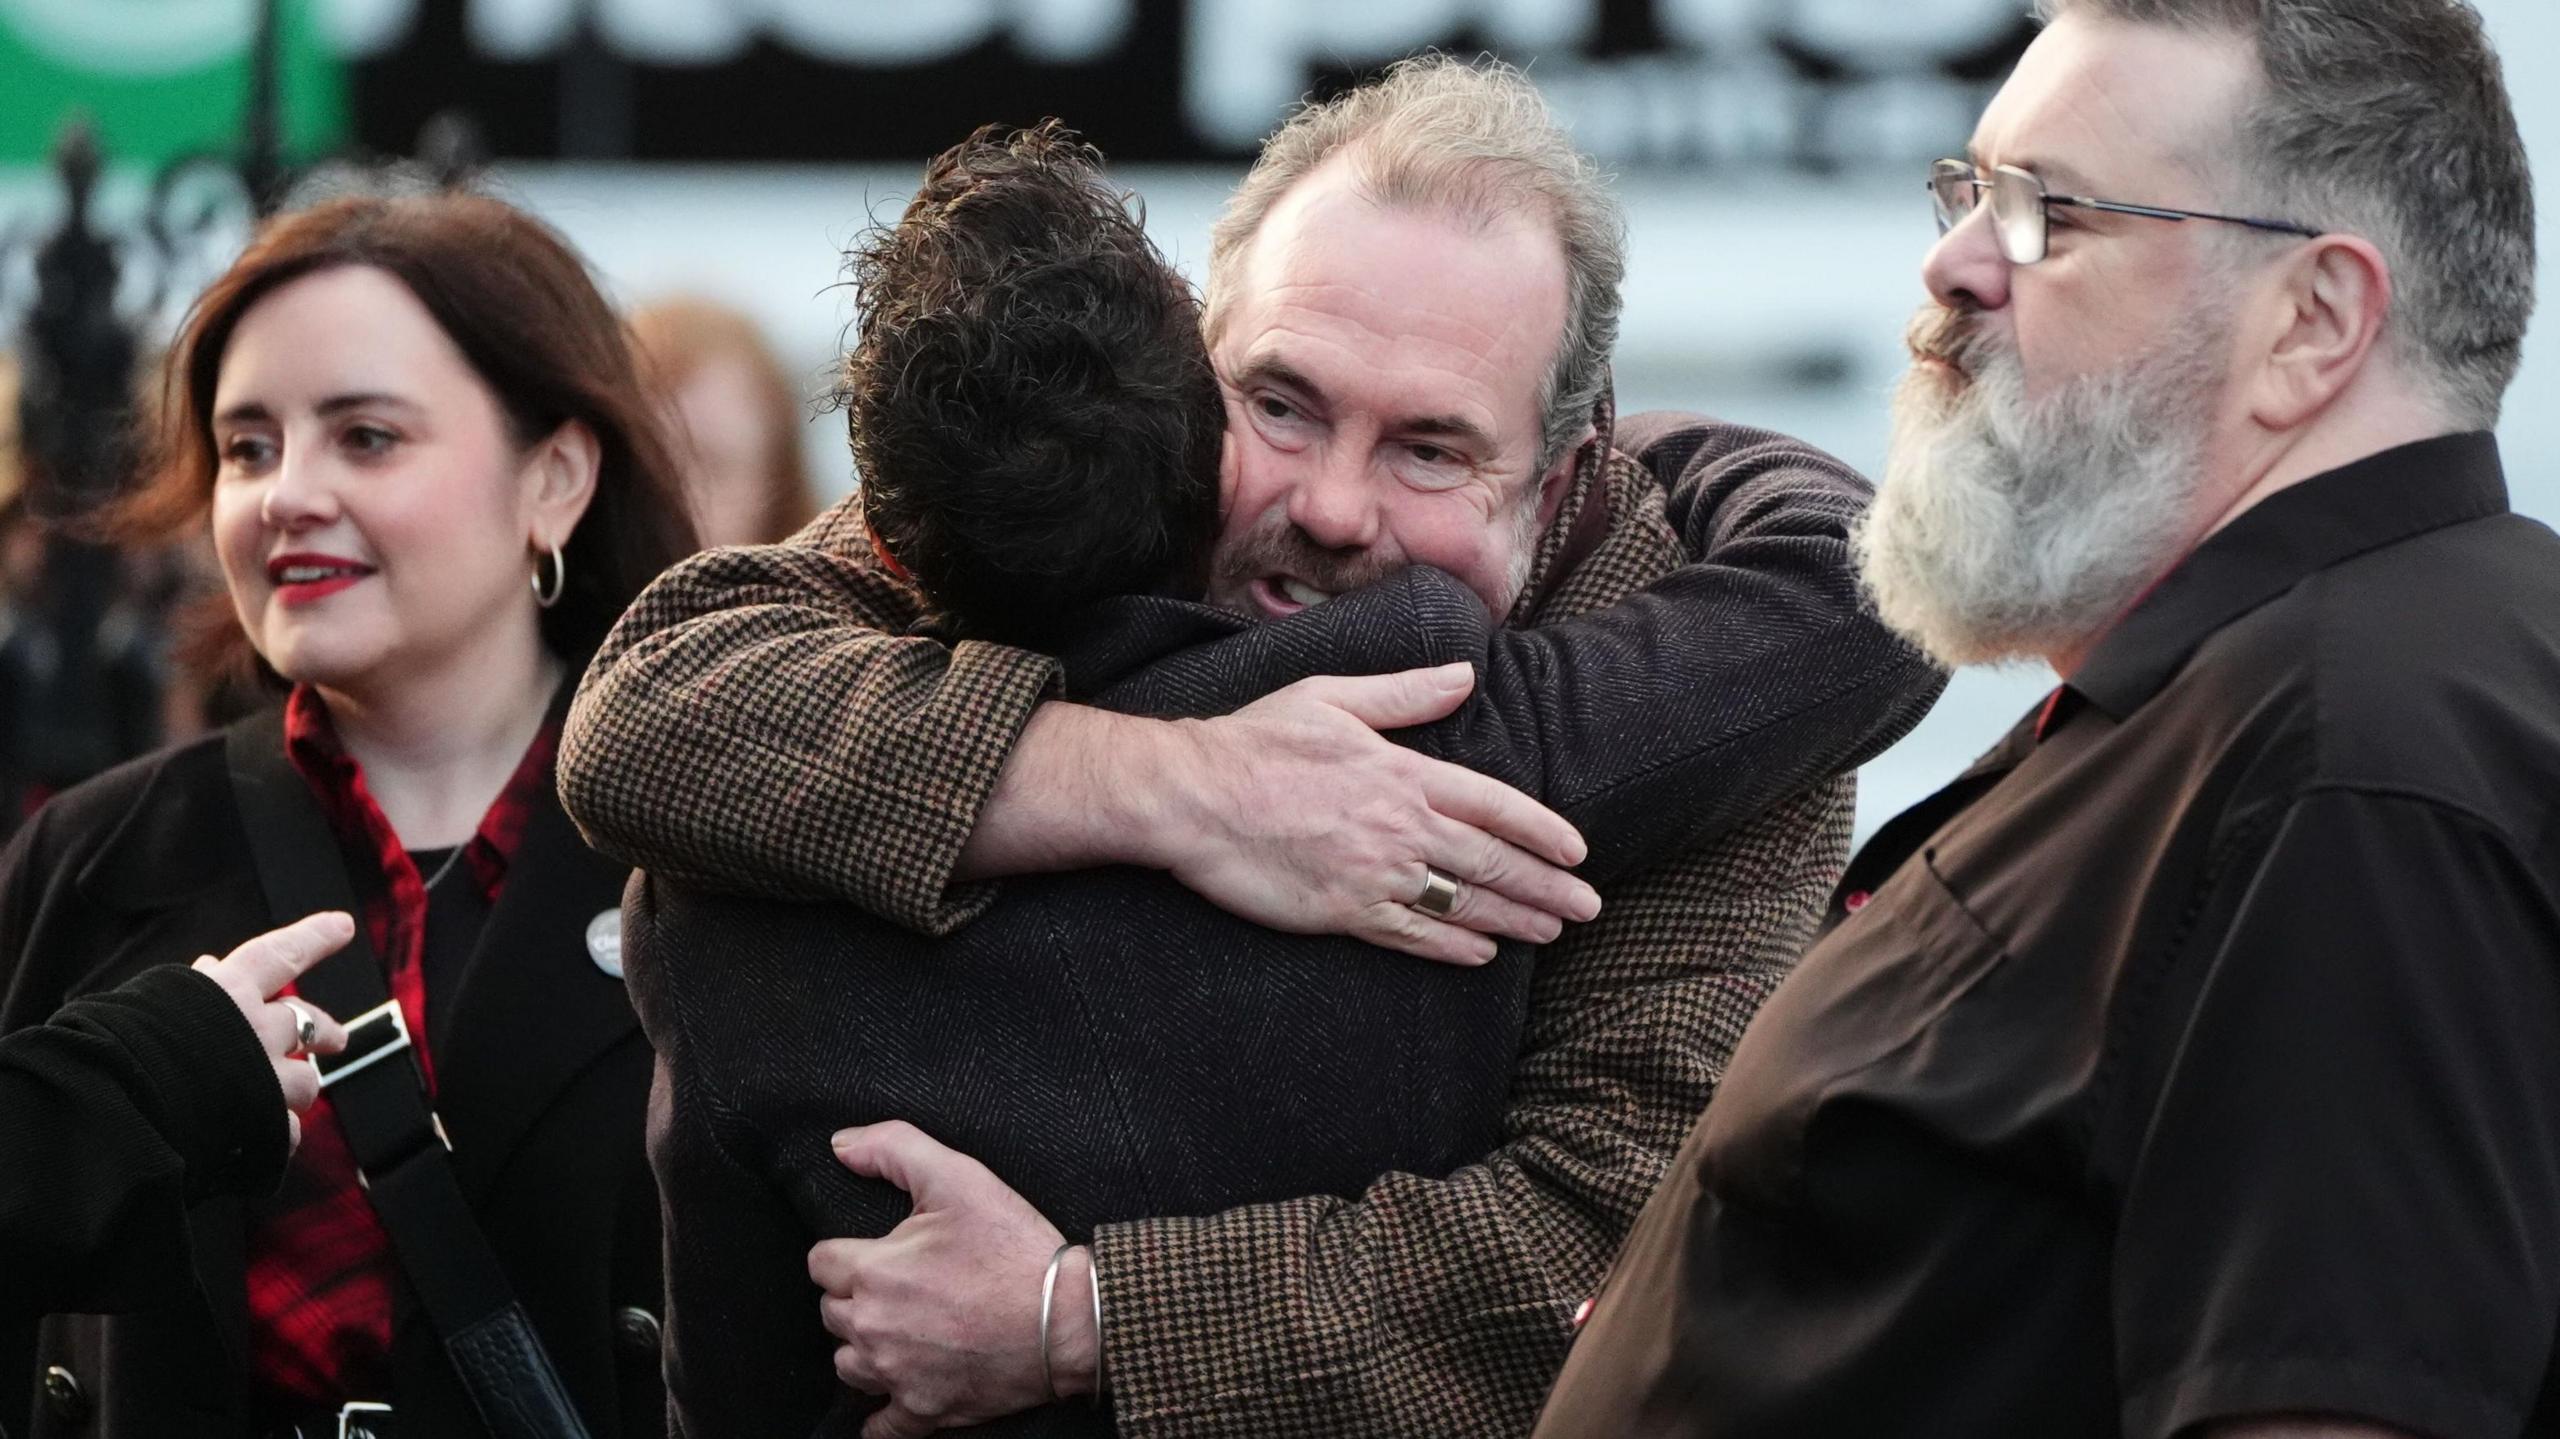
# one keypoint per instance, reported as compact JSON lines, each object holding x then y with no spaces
{"x":311,"y":742}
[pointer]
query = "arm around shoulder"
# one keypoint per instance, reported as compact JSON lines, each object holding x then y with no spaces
{"x":1728,"y":627}
{"x":1770,"y":521}
{"x":757,"y":723}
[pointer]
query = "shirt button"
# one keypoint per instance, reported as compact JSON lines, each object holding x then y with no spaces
{"x":64,"y":1396}
{"x":1582,"y":1312}
{"x":1856,"y":900}
{"x":638,"y":1330}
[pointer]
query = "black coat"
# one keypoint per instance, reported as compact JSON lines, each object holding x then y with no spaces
{"x":1110,"y":1044}
{"x":115,"y":1115}
{"x":543,"y":1081}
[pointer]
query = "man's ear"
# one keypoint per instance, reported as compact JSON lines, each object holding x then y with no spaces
{"x":1228,"y":471}
{"x":561,"y":482}
{"x":2332,"y":305}
{"x":1558,"y":480}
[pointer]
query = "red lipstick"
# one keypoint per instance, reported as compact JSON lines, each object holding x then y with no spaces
{"x":302,"y":579}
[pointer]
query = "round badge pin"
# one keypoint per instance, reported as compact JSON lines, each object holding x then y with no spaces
{"x":604,"y":942}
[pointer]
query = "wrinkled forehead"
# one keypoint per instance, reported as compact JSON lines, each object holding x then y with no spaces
{"x":1413,"y":287}
{"x":2121,"y":110}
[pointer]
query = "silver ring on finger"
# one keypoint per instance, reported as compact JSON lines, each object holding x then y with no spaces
{"x":1439,"y":895}
{"x":306,"y":1030}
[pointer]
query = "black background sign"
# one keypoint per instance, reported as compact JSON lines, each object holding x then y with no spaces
{"x":1800,"y":83}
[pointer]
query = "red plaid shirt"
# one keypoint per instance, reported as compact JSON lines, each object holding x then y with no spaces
{"x":320,"y":1265}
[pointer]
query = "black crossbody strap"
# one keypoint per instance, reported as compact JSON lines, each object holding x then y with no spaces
{"x":379,"y":1095}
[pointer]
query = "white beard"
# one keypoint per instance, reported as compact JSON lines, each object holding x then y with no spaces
{"x":2007,"y":529}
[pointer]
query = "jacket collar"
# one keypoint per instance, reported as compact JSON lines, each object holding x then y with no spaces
{"x":1583,"y":521}
{"x":1115,"y":638}
{"x":2291,"y":535}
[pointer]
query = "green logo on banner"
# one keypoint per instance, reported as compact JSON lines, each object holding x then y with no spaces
{"x":160,"y":78}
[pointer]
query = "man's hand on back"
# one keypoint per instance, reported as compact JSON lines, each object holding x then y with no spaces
{"x":941,"y":1314}
{"x":1295,"y":813}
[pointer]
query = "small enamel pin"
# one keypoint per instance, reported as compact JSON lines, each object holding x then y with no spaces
{"x":604,"y":942}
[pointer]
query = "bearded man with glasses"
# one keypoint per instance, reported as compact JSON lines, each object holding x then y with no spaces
{"x":2190,"y":1065}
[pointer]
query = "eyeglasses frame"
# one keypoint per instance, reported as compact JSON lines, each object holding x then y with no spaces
{"x":1972,"y":175}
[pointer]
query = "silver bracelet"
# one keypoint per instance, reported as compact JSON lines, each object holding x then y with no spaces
{"x":1093,"y":1280}
{"x":1048,"y":1292}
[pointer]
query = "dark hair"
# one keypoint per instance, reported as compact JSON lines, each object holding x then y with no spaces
{"x":1030,"y":401}
{"x":2388,"y":119}
{"x":519,"y":304}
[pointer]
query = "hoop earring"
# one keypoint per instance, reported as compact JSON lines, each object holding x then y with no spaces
{"x":559,"y":579}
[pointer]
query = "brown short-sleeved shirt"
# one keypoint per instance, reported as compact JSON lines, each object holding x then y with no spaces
{"x":2194,"y":1056}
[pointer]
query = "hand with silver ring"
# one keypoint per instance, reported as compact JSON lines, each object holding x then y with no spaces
{"x":289,"y":1029}
{"x":1297,"y":813}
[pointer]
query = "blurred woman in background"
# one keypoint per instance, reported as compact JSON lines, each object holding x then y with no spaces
{"x":433,"y":479}
{"x":735,"y":417}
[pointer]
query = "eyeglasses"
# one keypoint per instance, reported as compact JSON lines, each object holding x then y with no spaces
{"x":2019,"y":202}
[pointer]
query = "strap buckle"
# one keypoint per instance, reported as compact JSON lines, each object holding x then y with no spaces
{"x":350,"y":1417}
{"x":372,"y":1037}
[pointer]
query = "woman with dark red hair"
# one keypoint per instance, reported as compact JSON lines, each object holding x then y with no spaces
{"x":433,"y":480}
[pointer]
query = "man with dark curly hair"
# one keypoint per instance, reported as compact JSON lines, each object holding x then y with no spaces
{"x":1033,"y":414}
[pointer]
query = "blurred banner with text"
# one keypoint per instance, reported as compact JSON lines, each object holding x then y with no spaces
{"x":1807,"y":84}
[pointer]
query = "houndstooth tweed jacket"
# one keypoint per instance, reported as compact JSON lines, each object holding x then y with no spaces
{"x":757,"y":723}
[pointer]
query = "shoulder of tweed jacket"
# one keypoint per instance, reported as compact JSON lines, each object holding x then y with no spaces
{"x":758,"y":723}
